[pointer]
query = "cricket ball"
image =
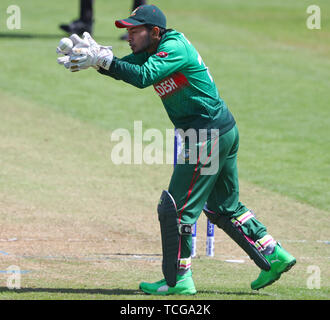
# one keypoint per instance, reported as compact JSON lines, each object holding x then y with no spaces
{"x":65,"y":45}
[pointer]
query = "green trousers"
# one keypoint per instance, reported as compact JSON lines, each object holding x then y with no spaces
{"x":212,"y":179}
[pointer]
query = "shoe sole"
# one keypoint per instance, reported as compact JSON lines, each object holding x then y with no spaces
{"x":286,"y":269}
{"x":164,"y":293}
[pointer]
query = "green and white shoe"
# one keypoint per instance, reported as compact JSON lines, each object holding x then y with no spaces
{"x":184,"y":285}
{"x":280,"y":261}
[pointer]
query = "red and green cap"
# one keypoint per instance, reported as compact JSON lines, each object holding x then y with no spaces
{"x":146,"y":14}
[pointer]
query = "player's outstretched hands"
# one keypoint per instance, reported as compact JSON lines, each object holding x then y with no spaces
{"x":65,"y":48}
{"x":83,"y":53}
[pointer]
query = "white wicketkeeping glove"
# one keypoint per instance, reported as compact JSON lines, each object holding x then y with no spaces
{"x":65,"y":61}
{"x":94,"y":55}
{"x":78,"y":43}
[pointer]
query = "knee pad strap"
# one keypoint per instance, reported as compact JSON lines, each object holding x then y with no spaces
{"x":233,"y":229}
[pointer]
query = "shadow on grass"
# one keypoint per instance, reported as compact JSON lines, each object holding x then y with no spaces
{"x":232,"y":293}
{"x":120,"y":292}
{"x":20,"y":35}
{"x":115,"y":292}
{"x":23,"y":36}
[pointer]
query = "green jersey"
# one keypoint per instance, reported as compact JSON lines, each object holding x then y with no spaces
{"x":182,"y":81}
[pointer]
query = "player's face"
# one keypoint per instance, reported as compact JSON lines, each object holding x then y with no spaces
{"x":139,"y":39}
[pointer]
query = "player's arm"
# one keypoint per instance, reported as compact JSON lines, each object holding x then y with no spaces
{"x":171,"y":57}
{"x":137,"y":59}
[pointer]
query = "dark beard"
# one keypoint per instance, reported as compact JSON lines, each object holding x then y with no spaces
{"x":145,"y":46}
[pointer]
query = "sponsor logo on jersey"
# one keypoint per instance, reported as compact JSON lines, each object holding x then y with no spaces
{"x":162,"y":54}
{"x":171,"y":84}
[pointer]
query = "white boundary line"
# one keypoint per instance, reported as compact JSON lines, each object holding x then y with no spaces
{"x":110,"y":240}
{"x":141,"y":257}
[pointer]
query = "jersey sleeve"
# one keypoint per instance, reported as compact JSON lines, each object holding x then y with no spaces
{"x":171,"y":56}
{"x":139,"y":59}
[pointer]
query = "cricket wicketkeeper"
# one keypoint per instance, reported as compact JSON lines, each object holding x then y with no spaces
{"x":165,"y":59}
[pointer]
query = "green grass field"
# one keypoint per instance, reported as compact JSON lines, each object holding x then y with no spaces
{"x":80,"y":227}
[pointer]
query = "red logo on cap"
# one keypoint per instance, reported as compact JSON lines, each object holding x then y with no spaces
{"x":162,"y":54}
